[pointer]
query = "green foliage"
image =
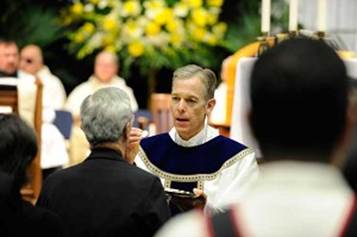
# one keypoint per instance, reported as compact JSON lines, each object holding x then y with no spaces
{"x":26,"y":23}
{"x":247,"y":28}
{"x":243,"y":33}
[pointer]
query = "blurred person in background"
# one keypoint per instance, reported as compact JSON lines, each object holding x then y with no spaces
{"x":219,"y":113}
{"x":32,"y":61}
{"x":18,"y":149}
{"x":9,"y":60}
{"x":54,"y":154}
{"x":106,"y":68}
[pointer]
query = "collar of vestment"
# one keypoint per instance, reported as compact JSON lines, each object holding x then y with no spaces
{"x":43,"y":73}
{"x":115,"y":81}
{"x":206,"y":134}
{"x":168,"y":160}
{"x":105,"y":154}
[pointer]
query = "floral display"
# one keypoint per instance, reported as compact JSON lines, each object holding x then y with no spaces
{"x":152,"y":33}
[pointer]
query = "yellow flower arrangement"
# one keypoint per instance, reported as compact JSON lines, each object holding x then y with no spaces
{"x":136,"y":48}
{"x":77,"y":8}
{"x":154,"y":32}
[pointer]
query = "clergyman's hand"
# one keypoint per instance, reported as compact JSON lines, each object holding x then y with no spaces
{"x":133,"y":143}
{"x":200,"y":199}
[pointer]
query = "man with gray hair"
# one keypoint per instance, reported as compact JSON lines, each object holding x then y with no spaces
{"x":300,"y":117}
{"x":105,"y":195}
{"x":193,"y":156}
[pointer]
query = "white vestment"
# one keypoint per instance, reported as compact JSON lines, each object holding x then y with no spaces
{"x":223,"y":187}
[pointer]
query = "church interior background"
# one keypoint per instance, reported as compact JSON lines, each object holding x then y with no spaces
{"x":197,"y":31}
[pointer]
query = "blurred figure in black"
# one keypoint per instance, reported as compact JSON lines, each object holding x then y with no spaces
{"x":18,"y":148}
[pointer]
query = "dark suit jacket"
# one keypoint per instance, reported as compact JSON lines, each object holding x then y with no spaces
{"x":105,"y":196}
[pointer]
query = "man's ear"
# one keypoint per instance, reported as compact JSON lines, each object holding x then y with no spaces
{"x":210,"y":105}
{"x":126,"y":131}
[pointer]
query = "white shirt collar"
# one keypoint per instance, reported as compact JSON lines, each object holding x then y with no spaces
{"x":115,"y":81}
{"x":206,"y":134}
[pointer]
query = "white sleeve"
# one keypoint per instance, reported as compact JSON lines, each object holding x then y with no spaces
{"x":133,"y":102}
{"x":58,"y":93}
{"x":76,"y":98}
{"x":53,"y":147}
{"x":232,"y":183}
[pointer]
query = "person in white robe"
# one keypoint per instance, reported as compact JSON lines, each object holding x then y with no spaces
{"x":54,"y":154}
{"x":299,"y":115}
{"x":193,"y":156}
{"x":106,"y":68}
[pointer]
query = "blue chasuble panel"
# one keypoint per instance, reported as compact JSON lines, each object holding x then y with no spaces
{"x":206,"y":158}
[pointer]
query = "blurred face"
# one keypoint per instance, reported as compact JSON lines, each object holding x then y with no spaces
{"x":189,"y":106}
{"x":9,"y":58}
{"x":105,"y":67}
{"x":30,"y":60}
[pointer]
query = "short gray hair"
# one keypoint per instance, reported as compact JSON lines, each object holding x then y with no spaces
{"x":206,"y":75}
{"x":105,"y":114}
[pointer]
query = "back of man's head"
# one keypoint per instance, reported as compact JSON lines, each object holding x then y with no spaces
{"x":299,"y":100}
{"x":105,"y":115}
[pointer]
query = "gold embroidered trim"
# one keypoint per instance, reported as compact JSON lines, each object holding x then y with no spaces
{"x":190,"y":178}
{"x":167,"y":183}
{"x":200,"y":185}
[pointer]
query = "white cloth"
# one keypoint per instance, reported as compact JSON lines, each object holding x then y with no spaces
{"x":240,"y":130}
{"x":89,"y":87}
{"x":26,"y":93}
{"x":351,"y":66}
{"x":54,"y":95}
{"x":27,"y":90}
{"x":53,"y":147}
{"x":218,"y":114}
{"x":206,"y":134}
{"x":289,"y":199}
{"x":231,"y":183}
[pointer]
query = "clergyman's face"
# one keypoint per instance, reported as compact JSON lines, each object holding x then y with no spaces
{"x":105,"y":67}
{"x":30,"y":60}
{"x":9,"y":58}
{"x":189,"y":106}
